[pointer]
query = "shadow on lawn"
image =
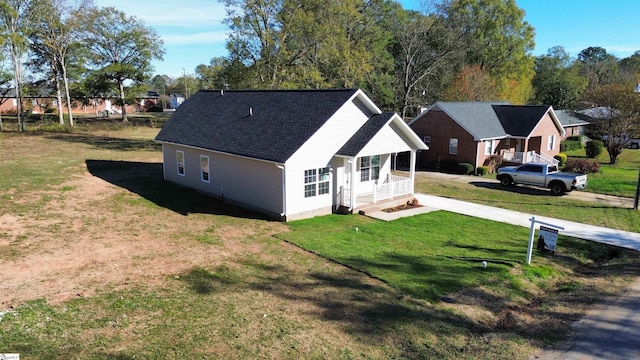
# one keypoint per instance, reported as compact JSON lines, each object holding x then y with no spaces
{"x":146,"y":180}
{"x":371,"y":311}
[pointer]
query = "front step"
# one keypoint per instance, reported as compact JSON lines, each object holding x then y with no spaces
{"x":383,"y":204}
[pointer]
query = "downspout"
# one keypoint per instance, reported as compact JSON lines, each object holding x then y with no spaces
{"x":478,"y":146}
{"x":283,"y":214}
{"x":164,"y":165}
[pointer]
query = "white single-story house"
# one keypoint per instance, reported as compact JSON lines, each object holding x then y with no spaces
{"x":291,"y":154}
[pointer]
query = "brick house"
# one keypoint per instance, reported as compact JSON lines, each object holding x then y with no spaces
{"x":487,"y":134}
{"x":573,"y":122}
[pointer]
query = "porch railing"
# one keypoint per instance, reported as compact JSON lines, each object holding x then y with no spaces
{"x":392,"y":186}
{"x":530,"y":156}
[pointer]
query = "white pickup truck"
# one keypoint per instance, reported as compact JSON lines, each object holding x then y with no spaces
{"x":544,"y":175}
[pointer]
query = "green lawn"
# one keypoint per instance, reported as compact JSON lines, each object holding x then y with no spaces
{"x":438,"y":253}
{"x":620,"y":179}
{"x":335,"y":293}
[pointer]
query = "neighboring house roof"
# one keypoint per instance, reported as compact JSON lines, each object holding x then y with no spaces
{"x":600,"y":112}
{"x":362,"y":137}
{"x":263,"y":124}
{"x":571,"y":118}
{"x":477,"y":118}
{"x":494,"y":120}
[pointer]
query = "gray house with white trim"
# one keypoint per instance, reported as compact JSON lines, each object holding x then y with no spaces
{"x":291,"y":154}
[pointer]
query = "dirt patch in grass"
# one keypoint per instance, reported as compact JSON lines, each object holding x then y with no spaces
{"x":88,"y":234}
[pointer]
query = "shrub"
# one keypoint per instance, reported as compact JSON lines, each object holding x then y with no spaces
{"x":483,"y":170}
{"x":593,"y":148}
{"x":493,"y":162}
{"x":464,"y":169}
{"x":582,"y":166}
{"x":562,"y":158}
{"x":155,"y":108}
{"x":448,"y":166}
{"x":570,"y":145}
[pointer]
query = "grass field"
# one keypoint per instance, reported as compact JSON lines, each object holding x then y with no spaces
{"x":102,"y":259}
{"x":620,"y":179}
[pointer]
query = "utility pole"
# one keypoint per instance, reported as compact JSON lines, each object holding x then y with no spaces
{"x":635,"y":202}
{"x":186,"y":95}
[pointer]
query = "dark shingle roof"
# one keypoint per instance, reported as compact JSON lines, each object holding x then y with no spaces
{"x":263,"y":124}
{"x":362,"y":137}
{"x":520,"y":120}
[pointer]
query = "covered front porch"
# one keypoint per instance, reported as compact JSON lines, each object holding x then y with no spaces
{"x":355,"y":192}
{"x":520,"y":157}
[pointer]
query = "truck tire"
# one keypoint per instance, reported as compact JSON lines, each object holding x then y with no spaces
{"x":557,"y":188}
{"x":505,"y":180}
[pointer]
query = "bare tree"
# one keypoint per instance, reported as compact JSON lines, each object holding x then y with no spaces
{"x":618,"y":116}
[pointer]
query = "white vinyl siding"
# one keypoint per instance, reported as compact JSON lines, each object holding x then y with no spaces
{"x":388,"y":140}
{"x":180,"y":162}
{"x":251,"y":182}
{"x":453,"y":146}
{"x":318,"y":153}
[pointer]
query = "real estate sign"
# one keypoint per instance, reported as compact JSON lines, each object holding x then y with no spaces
{"x":549,"y":237}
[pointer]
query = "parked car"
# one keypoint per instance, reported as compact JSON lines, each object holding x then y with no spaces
{"x":629,"y":142}
{"x":543,"y":175}
{"x":633,"y":144}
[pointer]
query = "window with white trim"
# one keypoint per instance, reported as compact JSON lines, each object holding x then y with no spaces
{"x":489,"y":147}
{"x":180,"y":162}
{"x":453,"y":146}
{"x":204,"y":168}
{"x":369,"y":168}
{"x":551,"y":143}
{"x":316,"y":182}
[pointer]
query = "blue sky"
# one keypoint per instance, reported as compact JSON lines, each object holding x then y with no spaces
{"x":193,"y":32}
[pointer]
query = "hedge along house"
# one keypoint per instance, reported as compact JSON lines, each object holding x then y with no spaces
{"x":487,"y":134}
{"x":291,"y":154}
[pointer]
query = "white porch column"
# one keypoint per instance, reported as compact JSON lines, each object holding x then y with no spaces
{"x":352,"y":180}
{"x":412,"y":171}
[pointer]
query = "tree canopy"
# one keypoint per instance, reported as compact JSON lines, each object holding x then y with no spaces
{"x":121,"y":48}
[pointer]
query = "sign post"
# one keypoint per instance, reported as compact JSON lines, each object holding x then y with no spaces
{"x":549,"y":231}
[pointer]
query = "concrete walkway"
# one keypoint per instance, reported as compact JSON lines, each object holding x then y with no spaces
{"x":625,"y":239}
{"x":609,"y":331}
